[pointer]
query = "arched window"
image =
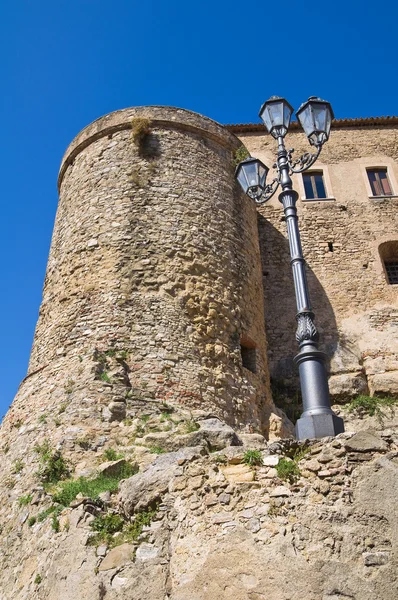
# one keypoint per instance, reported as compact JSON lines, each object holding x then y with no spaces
{"x":389,"y":256}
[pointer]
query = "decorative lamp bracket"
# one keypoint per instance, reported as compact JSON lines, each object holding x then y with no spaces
{"x":304,"y":162}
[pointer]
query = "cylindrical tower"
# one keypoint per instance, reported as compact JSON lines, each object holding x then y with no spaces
{"x":155,"y":262}
{"x":152,"y":302}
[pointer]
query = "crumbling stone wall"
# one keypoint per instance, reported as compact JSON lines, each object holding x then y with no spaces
{"x":355,"y":307}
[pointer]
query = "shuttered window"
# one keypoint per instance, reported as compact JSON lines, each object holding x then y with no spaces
{"x":379,"y":182}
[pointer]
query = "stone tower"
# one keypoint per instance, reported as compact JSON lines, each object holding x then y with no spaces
{"x":155,"y":255}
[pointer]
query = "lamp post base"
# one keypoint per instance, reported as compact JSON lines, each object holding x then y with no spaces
{"x":319,"y":426}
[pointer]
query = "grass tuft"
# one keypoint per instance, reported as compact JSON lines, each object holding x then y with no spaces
{"x":372,"y":406}
{"x":91,"y":488}
{"x":253,"y":457}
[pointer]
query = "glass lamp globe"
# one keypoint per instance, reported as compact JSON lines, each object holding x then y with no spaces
{"x":252,"y":174}
{"x":315,"y":117}
{"x":276,"y":113}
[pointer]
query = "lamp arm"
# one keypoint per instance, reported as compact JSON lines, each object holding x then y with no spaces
{"x":267,"y":194}
{"x":305,"y":161}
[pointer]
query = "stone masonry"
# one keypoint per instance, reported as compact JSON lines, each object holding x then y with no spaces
{"x":356,"y":309}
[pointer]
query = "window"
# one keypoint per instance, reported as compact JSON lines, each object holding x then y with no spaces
{"x":248,"y":353}
{"x":314,"y":185}
{"x":389,"y":256}
{"x":392,"y":272}
{"x":379,"y":183}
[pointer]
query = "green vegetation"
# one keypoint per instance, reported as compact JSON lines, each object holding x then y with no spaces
{"x":240,"y":154}
{"x":372,"y":406}
{"x":25,"y":500}
{"x":253,"y":457}
{"x":111,"y":454}
{"x":108,"y":525}
{"x":68,"y":387}
{"x":52,"y":510}
{"x":68,"y":490}
{"x":31,"y":521}
{"x":156,"y":450}
{"x":17,"y":466}
{"x":55,"y":523}
{"x":43,"y":419}
{"x":62,"y":408}
{"x":105,"y":377}
{"x":52,"y":467}
{"x":140,"y":127}
{"x":37,"y":579}
{"x":190,"y":426}
{"x":288,"y":470}
{"x":145,"y":418}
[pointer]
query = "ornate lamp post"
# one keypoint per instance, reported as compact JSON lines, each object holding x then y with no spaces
{"x":315,"y":116}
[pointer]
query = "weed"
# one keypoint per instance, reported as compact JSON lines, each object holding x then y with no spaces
{"x":288,"y":470}
{"x":57,"y":422}
{"x":127,"y":422}
{"x":68,"y":490}
{"x":31,"y":521}
{"x":105,"y":377}
{"x":140,"y":127}
{"x":24,"y":500}
{"x":166,"y":408}
{"x":68,"y":387}
{"x":156,"y":450}
{"x":42,"y":419}
{"x":145,"y":418}
{"x":80,"y":358}
{"x":240,"y":154}
{"x":252,"y":458}
{"x":6,"y":448}
{"x":52,"y":464}
{"x":112,"y":524}
{"x":372,"y":406}
{"x":55,"y":523}
{"x":37,"y":579}
{"x":17,"y":466}
{"x":107,"y":524}
{"x":62,"y":408}
{"x":111,"y":454}
{"x":190,"y":426}
{"x":52,"y":510}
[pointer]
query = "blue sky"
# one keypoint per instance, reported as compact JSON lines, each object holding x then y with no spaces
{"x":65,"y":63}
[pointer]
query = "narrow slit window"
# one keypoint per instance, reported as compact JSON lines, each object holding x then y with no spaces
{"x":379,"y":182}
{"x":314,"y":185}
{"x":248,"y":354}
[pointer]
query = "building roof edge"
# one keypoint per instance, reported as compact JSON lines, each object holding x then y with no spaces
{"x":337,"y":124}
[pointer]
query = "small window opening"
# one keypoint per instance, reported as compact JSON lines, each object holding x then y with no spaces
{"x":248,"y":353}
{"x":379,"y":182}
{"x":330,"y":246}
{"x":389,"y":256}
{"x":314,"y":185}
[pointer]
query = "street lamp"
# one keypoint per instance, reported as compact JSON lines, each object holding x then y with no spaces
{"x":315,"y":116}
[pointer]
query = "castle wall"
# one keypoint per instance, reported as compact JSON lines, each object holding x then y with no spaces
{"x":155,"y":261}
{"x":355,"y":306}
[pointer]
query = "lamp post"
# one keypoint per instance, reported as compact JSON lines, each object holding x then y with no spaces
{"x":315,"y":116}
